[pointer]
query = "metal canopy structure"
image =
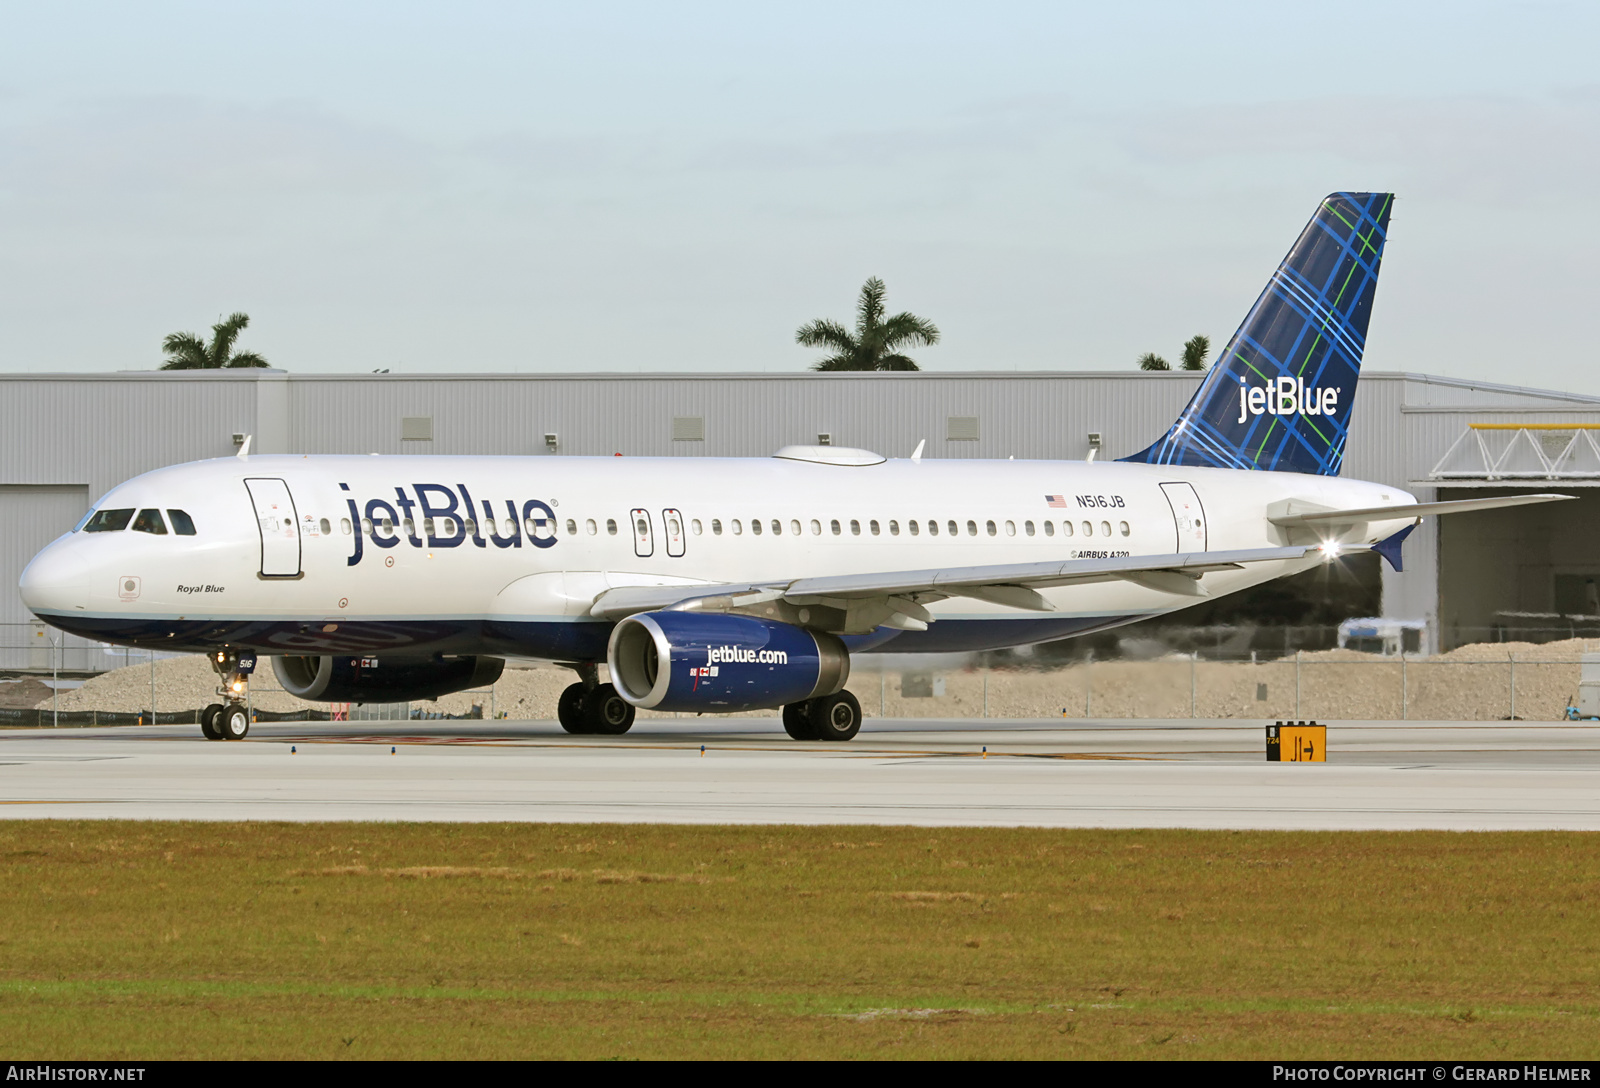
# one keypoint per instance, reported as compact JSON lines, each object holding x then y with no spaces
{"x":1521,"y":454}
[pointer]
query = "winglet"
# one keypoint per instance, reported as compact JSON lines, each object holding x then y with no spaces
{"x":1390,"y":547}
{"x":916,"y":454}
{"x":244,"y":448}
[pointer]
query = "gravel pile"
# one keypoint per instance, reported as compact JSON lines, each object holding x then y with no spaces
{"x":1472,"y":683}
{"x":22,"y":693}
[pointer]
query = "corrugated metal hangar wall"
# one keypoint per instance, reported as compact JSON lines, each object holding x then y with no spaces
{"x":67,"y":438}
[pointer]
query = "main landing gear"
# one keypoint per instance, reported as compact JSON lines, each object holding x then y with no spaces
{"x":835,"y":717}
{"x":590,"y":707}
{"x":229,"y":720}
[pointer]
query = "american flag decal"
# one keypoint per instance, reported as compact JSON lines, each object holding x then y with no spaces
{"x":1056,"y":502}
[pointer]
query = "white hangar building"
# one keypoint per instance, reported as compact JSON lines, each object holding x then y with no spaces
{"x":1533,"y":571}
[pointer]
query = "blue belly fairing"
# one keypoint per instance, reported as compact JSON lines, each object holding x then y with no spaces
{"x":553,"y":640}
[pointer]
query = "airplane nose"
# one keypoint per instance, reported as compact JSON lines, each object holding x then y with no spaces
{"x":56,"y":580}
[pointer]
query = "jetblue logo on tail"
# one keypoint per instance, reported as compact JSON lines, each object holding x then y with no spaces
{"x":1280,"y":394}
{"x":1285,"y":397}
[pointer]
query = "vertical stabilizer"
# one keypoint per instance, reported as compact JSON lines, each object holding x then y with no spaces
{"x":1280,"y":394}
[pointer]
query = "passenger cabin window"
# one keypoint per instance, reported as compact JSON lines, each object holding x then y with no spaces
{"x":972,"y":528}
{"x":794,"y":527}
{"x":1066,"y":528}
{"x":933,"y":528}
{"x":873,"y":525}
{"x":1011,"y":528}
{"x":755,"y":526}
{"x":1105,"y":528}
{"x":894,"y":528}
{"x":855,"y":527}
{"x":1088,"y":528}
{"x":834,"y":525}
{"x":344,"y":526}
{"x":695,"y":525}
{"x":149,"y":521}
{"x":1027,"y":527}
{"x":327,"y":528}
{"x":1124,"y":527}
{"x":183,"y":524}
{"x":1049,"y":528}
{"x":611,"y":526}
{"x":572,"y":527}
{"x":109,"y":521}
{"x":716,"y":526}
{"x":816,"y":527}
{"x":777,"y":527}
{"x":738,"y":527}
{"x":990,"y":529}
{"x":590,"y":527}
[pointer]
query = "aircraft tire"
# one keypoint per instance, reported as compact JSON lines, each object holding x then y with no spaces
{"x":797,"y":721}
{"x":607,"y":713}
{"x":233,"y":723}
{"x":836,"y":717}
{"x":569,"y":710}
{"x":208,"y":721}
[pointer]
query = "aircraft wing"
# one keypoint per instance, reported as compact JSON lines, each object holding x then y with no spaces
{"x":1013,"y":584}
{"x":1313,"y":517}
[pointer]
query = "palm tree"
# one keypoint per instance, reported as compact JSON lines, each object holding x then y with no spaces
{"x":1195,"y":350}
{"x":874,"y":344}
{"x":186,"y":351}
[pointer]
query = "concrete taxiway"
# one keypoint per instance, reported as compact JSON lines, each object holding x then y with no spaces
{"x":1203,"y":774}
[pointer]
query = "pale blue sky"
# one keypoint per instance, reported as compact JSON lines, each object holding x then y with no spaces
{"x":472,"y":187}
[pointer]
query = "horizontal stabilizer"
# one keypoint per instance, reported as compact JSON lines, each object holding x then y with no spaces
{"x":1416,"y":509}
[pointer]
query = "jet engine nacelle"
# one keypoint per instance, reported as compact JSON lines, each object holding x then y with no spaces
{"x":696,"y":661}
{"x":347,"y":679}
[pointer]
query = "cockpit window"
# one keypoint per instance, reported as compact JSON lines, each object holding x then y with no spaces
{"x":108,"y":521}
{"x":149,"y":521}
{"x":182,"y":523}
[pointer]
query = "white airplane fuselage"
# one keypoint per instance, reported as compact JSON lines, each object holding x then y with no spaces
{"x":507,"y":555}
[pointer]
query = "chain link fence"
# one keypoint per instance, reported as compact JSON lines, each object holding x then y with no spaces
{"x":1215,"y":676}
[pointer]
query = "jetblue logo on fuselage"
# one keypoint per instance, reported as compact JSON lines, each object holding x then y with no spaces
{"x":1285,"y":397}
{"x":447,"y":517}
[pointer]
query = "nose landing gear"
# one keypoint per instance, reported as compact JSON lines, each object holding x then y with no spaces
{"x":229,"y":720}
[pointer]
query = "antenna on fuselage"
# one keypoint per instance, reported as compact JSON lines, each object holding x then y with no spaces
{"x":916,"y":454}
{"x":244,"y":448}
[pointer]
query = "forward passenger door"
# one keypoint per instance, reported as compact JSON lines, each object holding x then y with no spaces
{"x":276,"y":521}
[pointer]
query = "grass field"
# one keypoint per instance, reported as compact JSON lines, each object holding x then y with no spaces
{"x":171,"y":940}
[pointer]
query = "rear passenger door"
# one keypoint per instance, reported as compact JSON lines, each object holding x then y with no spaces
{"x":1188,"y":517}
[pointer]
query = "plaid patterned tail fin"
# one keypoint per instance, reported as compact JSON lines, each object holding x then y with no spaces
{"x":1280,"y":393}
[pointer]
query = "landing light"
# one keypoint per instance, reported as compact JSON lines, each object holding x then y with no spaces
{"x":238,"y":685}
{"x":1330,"y":549}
